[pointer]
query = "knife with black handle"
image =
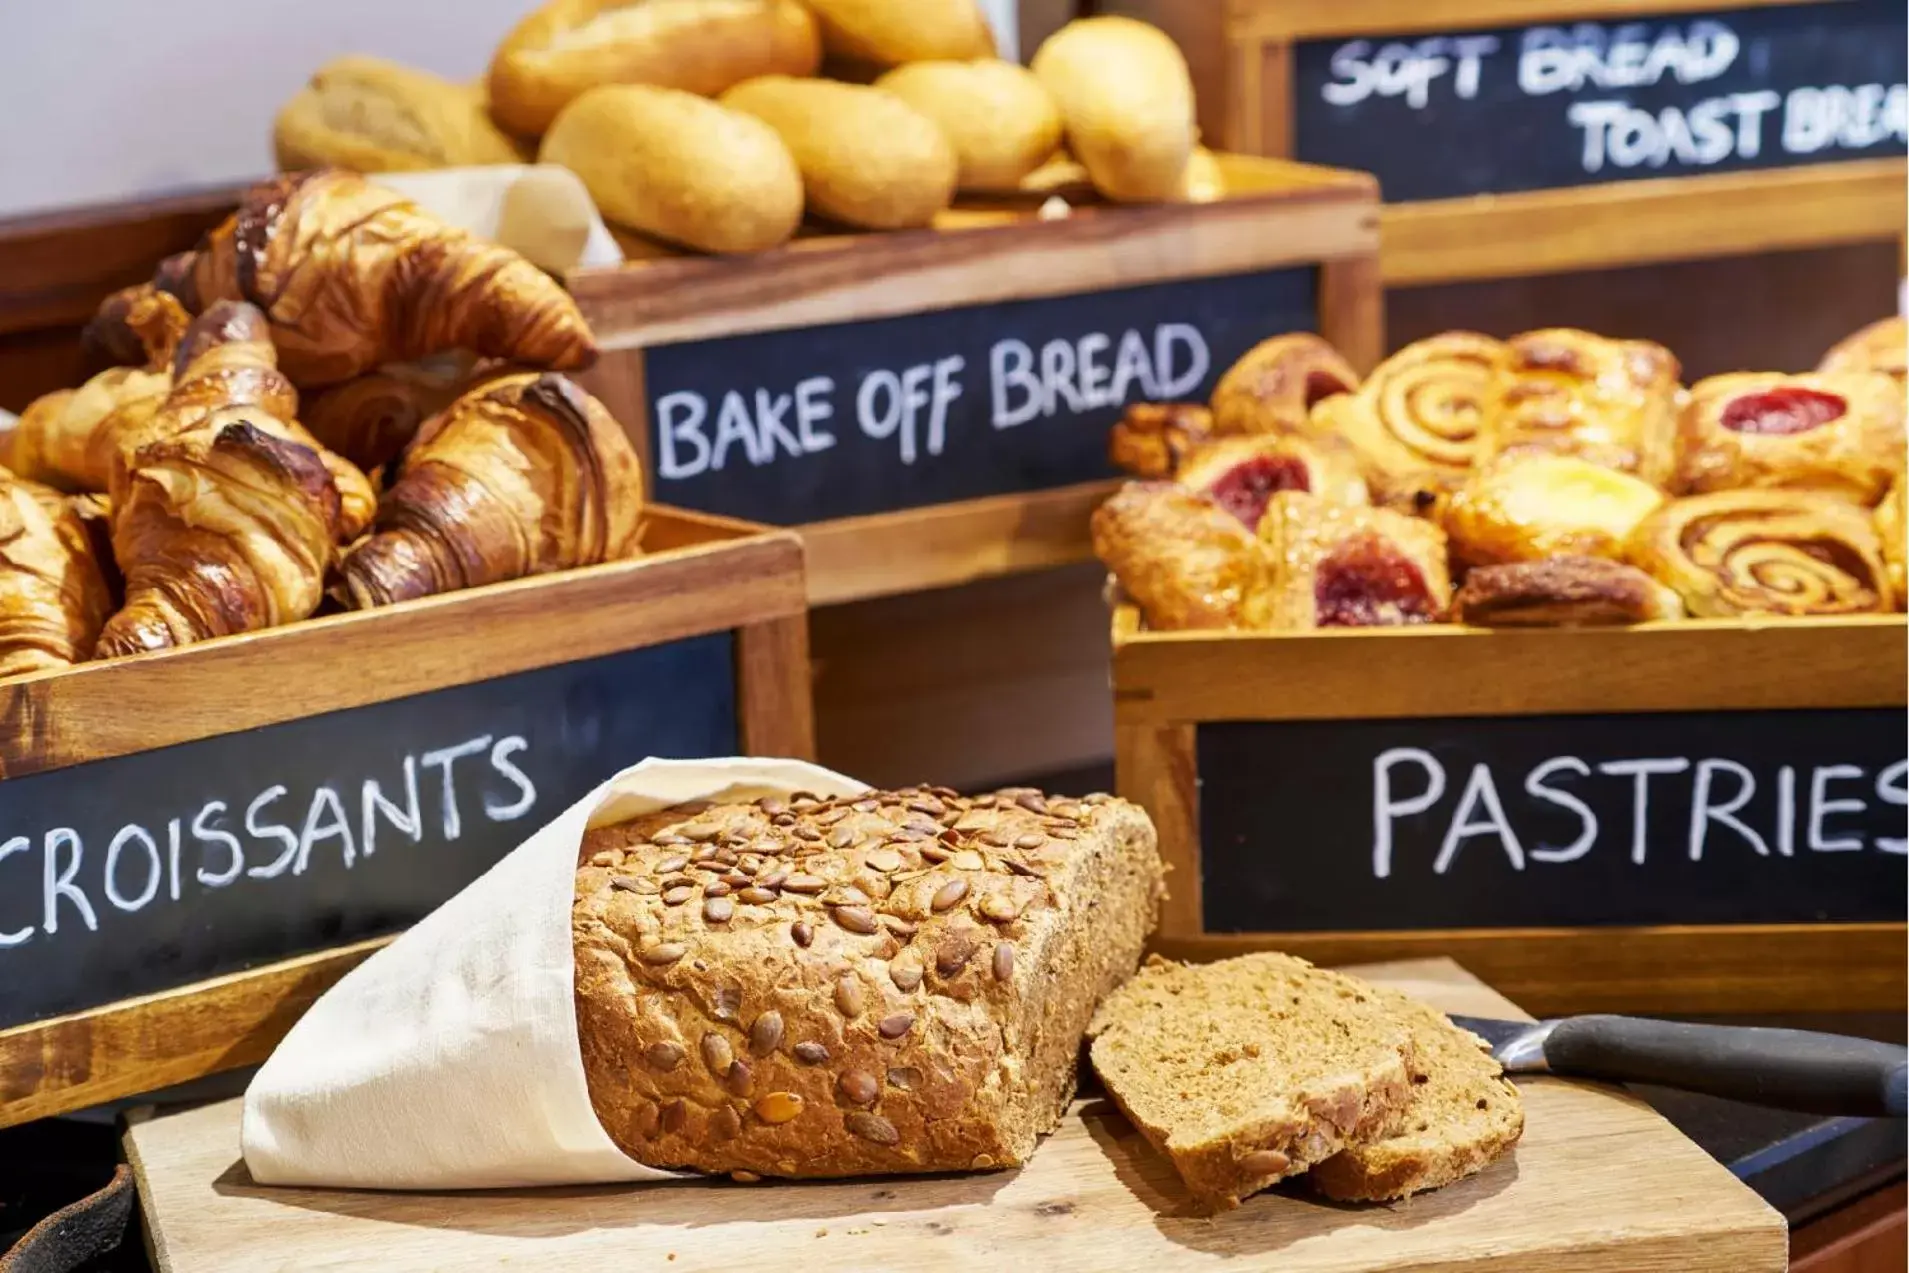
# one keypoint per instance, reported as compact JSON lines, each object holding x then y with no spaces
{"x":1782,"y":1069}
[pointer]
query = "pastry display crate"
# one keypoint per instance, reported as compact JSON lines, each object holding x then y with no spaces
{"x":1319,"y":793}
{"x":195,"y":843}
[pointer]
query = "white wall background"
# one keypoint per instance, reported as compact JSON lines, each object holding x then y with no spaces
{"x":117,"y":99}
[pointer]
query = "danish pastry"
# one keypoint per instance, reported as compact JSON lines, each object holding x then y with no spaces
{"x":1415,"y":420}
{"x":1613,"y":402}
{"x":1185,"y":561}
{"x":1242,"y":474}
{"x":1881,"y":346}
{"x":1275,"y":385}
{"x":1840,"y":432}
{"x":1535,"y":505}
{"x":1335,"y":566}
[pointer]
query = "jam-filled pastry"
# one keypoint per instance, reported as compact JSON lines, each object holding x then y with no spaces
{"x":1337,"y":566}
{"x":1152,"y":439}
{"x":1275,"y":385}
{"x":1242,"y":474}
{"x":1835,"y":432}
{"x":1415,"y":420}
{"x":1766,"y":552}
{"x":1533,"y":505}
{"x":1890,"y":529}
{"x":1185,"y":561}
{"x":53,"y":590}
{"x":1613,"y":402}
{"x":1882,"y":346}
{"x":1563,"y":592}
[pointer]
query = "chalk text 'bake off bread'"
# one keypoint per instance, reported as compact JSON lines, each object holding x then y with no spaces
{"x":896,"y":981}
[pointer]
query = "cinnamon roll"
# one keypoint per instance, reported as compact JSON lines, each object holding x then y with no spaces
{"x":1882,"y":346}
{"x":1336,"y":566}
{"x":1415,"y":420}
{"x":1889,"y":529}
{"x":1563,"y":592}
{"x":1242,"y":474}
{"x":1274,"y":387}
{"x":1613,"y":402}
{"x":1835,"y":432}
{"x":1185,"y":561}
{"x":1533,"y":505}
{"x":1151,"y":439}
{"x":1765,"y":552}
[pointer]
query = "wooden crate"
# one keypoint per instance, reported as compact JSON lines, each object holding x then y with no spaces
{"x":698,"y":647}
{"x":1244,"y":55}
{"x":1257,"y":755}
{"x":845,"y":303}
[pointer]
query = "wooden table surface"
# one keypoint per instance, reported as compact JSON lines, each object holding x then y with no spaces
{"x":1600,"y":1184}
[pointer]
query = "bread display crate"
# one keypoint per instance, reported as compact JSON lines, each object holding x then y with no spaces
{"x":930,"y":407}
{"x":1522,"y":137}
{"x":198,"y":842}
{"x":1704,"y":816}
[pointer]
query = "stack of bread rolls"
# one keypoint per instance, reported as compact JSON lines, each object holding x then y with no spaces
{"x":718,"y":125}
{"x":1557,"y":478}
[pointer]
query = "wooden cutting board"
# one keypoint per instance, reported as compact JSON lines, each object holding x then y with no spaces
{"x":1600,"y":1184}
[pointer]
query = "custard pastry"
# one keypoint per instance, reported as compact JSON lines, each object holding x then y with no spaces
{"x":1613,"y":402}
{"x":521,"y":475}
{"x":1415,"y":420}
{"x":1242,"y":473}
{"x":1185,"y":561}
{"x":1877,"y":347}
{"x":1533,"y":505}
{"x":1840,"y":432}
{"x":1335,"y":566}
{"x":1276,"y":384}
{"x":1563,"y":592}
{"x":1778,"y":552}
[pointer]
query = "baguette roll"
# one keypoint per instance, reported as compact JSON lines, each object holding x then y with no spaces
{"x":371,"y":115}
{"x":867,"y":158}
{"x":1126,"y":101}
{"x":891,"y":32}
{"x":999,"y":119}
{"x":700,"y":46}
{"x":680,"y":167}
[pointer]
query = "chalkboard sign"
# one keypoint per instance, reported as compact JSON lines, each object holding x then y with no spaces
{"x":163,"y":868}
{"x":1574,"y":103}
{"x":1685,"y":818}
{"x":815,"y":423}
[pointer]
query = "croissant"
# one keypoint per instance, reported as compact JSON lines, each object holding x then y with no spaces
{"x":1339,"y":566}
{"x":1840,"y":432}
{"x":353,"y":277}
{"x":523,"y":474}
{"x":371,"y":419}
{"x":1889,"y":530}
{"x":227,"y":514}
{"x":65,"y":439}
{"x":1766,"y":552}
{"x":53,"y":591}
{"x":1613,"y":402}
{"x":1186,"y":562}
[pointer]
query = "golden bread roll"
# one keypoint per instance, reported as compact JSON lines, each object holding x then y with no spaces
{"x":372,"y":115}
{"x":890,"y":32}
{"x":1002,"y":123}
{"x":867,"y":159}
{"x":700,"y":46}
{"x":1126,"y":101}
{"x":680,"y":167}
{"x":1539,"y":504}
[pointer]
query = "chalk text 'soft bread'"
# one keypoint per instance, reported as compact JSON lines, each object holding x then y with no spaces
{"x":890,"y":982}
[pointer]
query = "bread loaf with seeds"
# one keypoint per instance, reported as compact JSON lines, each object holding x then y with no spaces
{"x":892,"y":982}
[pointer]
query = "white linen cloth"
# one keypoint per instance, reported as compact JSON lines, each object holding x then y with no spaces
{"x":449,"y":1059}
{"x":540,"y":211}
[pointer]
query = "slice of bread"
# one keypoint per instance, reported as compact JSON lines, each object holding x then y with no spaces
{"x":1464,"y":1114}
{"x":1249,"y":1070}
